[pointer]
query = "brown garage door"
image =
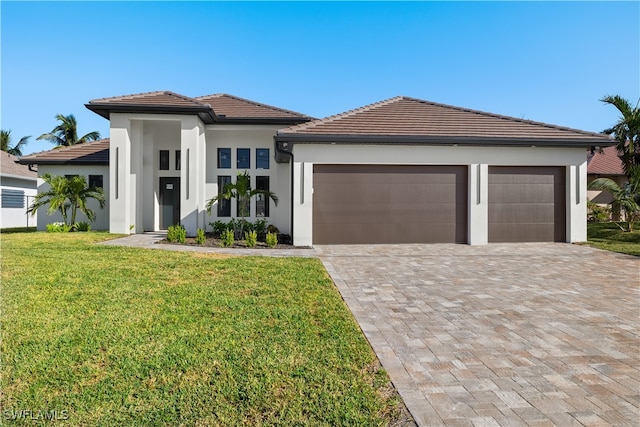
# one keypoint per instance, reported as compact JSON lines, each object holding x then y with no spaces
{"x":361,"y":204}
{"x":526,"y":204}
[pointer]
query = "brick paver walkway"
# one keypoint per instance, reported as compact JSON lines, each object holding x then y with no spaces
{"x":500,"y":335}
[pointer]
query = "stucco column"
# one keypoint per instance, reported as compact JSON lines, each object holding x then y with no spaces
{"x":576,"y":202}
{"x":119,"y":175}
{"x":478,"y":221}
{"x":192,"y":174}
{"x":302,"y":204}
{"x":136,"y":194}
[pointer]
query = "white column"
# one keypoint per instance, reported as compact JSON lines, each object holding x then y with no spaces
{"x":478,"y":221}
{"x":136,"y":183}
{"x":576,"y":203}
{"x":302,"y":204}
{"x":119,"y":175}
{"x":192,"y":174}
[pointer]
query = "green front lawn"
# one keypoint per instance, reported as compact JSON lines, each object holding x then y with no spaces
{"x":608,"y":236}
{"x":116,"y":336}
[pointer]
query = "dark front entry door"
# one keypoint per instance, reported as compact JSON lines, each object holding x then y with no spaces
{"x":169,"y":202}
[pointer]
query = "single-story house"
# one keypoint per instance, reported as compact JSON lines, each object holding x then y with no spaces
{"x":604,"y":163}
{"x":18,"y":187}
{"x":402,"y":170}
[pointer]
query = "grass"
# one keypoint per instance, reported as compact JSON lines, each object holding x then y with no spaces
{"x":608,"y":236}
{"x":115,"y":336}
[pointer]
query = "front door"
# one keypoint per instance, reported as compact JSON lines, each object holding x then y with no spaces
{"x":169,"y":202}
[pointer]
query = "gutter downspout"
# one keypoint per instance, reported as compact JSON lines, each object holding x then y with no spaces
{"x":279,"y":152}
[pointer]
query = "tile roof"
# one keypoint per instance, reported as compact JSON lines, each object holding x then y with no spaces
{"x":94,"y":153}
{"x":233,"y":106}
{"x":211,"y":108}
{"x":605,"y":163}
{"x":419,"y":120}
{"x":166,"y":98}
{"x":8,"y":166}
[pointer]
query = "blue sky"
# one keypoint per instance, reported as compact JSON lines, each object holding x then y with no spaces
{"x":544,"y":61}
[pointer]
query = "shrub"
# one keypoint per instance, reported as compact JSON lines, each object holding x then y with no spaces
{"x":58,"y":227}
{"x":200,"y":237}
{"x":251,"y":238}
{"x":272,"y":240}
{"x":176,"y":233}
{"x":227,"y":238}
{"x":220,"y":227}
{"x":273,"y":229}
{"x":598,"y":213}
{"x":82,"y":226}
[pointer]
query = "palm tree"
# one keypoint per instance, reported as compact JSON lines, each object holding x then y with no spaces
{"x":66,"y":133}
{"x":626,"y":197}
{"x":5,"y":143}
{"x":241,"y":191}
{"x":68,"y":193}
{"x":626,"y":131}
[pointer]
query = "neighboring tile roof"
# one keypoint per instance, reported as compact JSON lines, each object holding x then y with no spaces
{"x":8,"y":166}
{"x":413,"y":119}
{"x":94,"y":153}
{"x":233,"y":106}
{"x":215,"y":108}
{"x":605,"y":163}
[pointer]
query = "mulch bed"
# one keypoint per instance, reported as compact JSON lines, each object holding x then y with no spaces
{"x":212,"y":242}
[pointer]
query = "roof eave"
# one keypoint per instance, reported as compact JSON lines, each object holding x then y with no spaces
{"x":22,"y":177}
{"x":439,"y":140}
{"x":63,"y":162}
{"x":104,"y":110}
{"x":287,"y":121}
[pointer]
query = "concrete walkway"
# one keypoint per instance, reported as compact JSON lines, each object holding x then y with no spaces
{"x":500,"y":335}
{"x":150,"y":241}
{"x":497,"y":335}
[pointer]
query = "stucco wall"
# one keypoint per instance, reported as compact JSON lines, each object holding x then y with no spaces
{"x":102,"y":215}
{"x":251,"y":137}
{"x":476,"y":158}
{"x":18,"y":217}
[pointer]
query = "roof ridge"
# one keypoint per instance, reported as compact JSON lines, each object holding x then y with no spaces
{"x":502,"y":117}
{"x":143,"y":94}
{"x":250,"y":101}
{"x":347,"y":113}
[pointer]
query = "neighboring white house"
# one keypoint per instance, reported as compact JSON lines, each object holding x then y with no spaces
{"x":401,"y":170}
{"x":18,"y":187}
{"x":90,"y":160}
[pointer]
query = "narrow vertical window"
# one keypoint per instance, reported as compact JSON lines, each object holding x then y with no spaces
{"x":262,"y":158}
{"x":187,"y":174}
{"x":224,"y":158}
{"x":224,"y":206}
{"x":262,"y":200}
{"x":243,"y":158}
{"x":164,"y":160}
{"x":178,"y":163}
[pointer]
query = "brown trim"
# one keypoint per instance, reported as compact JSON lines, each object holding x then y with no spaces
{"x":438,"y":140}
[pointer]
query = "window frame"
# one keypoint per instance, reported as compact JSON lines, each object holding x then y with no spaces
{"x":263,"y":158}
{"x":224,"y":163}
{"x":260,"y":180}
{"x":224,"y":206}
{"x":241,"y":157}
{"x":164,"y":162}
{"x":93,"y":178}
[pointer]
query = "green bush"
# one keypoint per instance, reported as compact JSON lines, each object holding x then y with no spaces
{"x":200,"y":236}
{"x":82,"y":226}
{"x":227,"y":238}
{"x":272,"y":240}
{"x":220,"y":227}
{"x":176,"y":233}
{"x":58,"y":227}
{"x":598,"y":213}
{"x":251,"y":238}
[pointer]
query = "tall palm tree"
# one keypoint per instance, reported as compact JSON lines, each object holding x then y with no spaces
{"x":5,"y":143}
{"x":626,"y":197}
{"x":626,"y":131}
{"x":241,"y":191}
{"x":66,"y":133}
{"x":68,"y":193}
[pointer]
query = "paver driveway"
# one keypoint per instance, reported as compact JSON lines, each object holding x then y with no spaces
{"x":500,"y":335}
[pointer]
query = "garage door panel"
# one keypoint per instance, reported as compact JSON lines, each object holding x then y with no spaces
{"x":526,"y":204}
{"x":389,"y":204}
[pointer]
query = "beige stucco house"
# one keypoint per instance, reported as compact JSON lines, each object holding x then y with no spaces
{"x":402,"y":170}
